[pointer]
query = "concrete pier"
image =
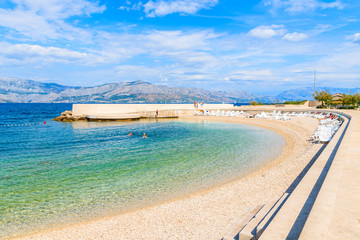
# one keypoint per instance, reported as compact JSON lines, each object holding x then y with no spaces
{"x":107,"y":109}
{"x":122,"y":116}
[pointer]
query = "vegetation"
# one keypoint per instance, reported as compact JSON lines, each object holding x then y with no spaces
{"x":347,"y":101}
{"x":321,"y":106}
{"x":357,"y":98}
{"x":254,"y":103}
{"x":347,"y":107}
{"x":295,"y":102}
{"x":277,"y":102}
{"x":323,"y":97}
{"x":351,"y":99}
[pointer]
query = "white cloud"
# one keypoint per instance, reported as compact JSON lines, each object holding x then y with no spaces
{"x":179,"y":40}
{"x":37,"y":50}
{"x":356,"y":38}
{"x":320,"y":28}
{"x":181,"y":55}
{"x":258,"y":74}
{"x":128,"y":7}
{"x":124,"y":8}
{"x":137,"y":6}
{"x":27,"y":23}
{"x":161,"y":7}
{"x":298,"y":6}
{"x":295,"y":36}
{"x":169,"y":45}
{"x":137,"y":72}
{"x":189,"y":49}
{"x":41,"y":20}
{"x":267,"y":31}
{"x":59,"y":9}
{"x":27,"y":53}
{"x":337,"y":4}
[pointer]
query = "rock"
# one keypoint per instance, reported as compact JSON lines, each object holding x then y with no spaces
{"x":68,"y":117}
{"x":78,"y":118}
{"x":67,"y":112}
{"x":60,"y":118}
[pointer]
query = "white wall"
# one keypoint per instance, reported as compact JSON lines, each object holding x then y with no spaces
{"x":106,"y":109}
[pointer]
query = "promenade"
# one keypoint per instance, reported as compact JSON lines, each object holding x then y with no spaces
{"x":326,"y":203}
{"x":336,"y":211}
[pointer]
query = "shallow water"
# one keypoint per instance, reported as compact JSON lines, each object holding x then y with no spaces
{"x":61,"y":173}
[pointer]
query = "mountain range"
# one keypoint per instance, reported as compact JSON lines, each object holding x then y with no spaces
{"x":27,"y":91}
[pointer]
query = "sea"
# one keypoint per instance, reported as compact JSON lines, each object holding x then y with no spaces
{"x":59,"y":173}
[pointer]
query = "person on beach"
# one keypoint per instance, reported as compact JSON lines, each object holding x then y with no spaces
{"x":144,"y":136}
{"x":157,"y":113}
{"x":130,"y":134}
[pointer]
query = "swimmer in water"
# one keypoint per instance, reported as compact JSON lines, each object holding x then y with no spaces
{"x":144,"y":136}
{"x":130,"y":134}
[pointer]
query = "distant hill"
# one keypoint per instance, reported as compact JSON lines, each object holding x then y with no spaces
{"x":306,"y":93}
{"x":26,"y":91}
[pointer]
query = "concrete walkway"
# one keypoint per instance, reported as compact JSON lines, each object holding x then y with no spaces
{"x":326,"y":203}
{"x":336,"y":212}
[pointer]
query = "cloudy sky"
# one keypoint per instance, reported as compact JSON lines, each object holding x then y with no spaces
{"x":264,"y":46}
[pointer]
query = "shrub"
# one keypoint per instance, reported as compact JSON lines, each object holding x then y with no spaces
{"x":254,"y":103}
{"x":347,"y":107}
{"x":321,"y":106}
{"x":295,"y":102}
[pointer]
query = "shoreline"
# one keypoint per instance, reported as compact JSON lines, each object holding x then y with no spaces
{"x":106,"y":225}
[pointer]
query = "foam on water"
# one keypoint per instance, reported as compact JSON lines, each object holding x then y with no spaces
{"x":61,"y":173}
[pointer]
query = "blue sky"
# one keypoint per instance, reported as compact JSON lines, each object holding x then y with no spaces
{"x":263,"y":47}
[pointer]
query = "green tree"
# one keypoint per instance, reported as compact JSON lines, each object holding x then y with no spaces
{"x":356,"y":97}
{"x":323,"y":96}
{"x":348,"y":99}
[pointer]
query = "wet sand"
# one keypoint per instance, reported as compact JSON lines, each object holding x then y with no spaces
{"x":206,"y":215}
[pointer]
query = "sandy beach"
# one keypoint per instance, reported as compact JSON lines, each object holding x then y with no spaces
{"x":207,"y":215}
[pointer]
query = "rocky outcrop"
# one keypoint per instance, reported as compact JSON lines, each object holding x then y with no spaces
{"x":68,"y":117}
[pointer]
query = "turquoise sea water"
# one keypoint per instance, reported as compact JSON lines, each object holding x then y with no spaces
{"x":59,"y":173}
